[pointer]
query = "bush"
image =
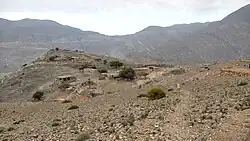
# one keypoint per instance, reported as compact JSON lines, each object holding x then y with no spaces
{"x":57,"y":49}
{"x":24,"y":65}
{"x":102,"y":70}
{"x":38,"y":95}
{"x":105,"y":62}
{"x":53,"y":58}
{"x":127,"y":73}
{"x":98,"y":59}
{"x":156,"y":93}
{"x":116,"y":64}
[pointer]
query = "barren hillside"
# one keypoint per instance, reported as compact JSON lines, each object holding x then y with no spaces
{"x":85,"y":97}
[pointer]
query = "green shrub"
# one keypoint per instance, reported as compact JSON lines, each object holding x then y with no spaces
{"x":83,"y":137}
{"x":105,"y":62}
{"x":52,"y":58}
{"x":116,"y":64}
{"x":102,"y":70}
{"x":38,"y":96}
{"x":156,"y":93}
{"x":24,"y":65}
{"x":98,"y":59}
{"x":127,"y":73}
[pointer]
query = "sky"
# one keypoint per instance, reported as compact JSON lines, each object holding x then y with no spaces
{"x":119,"y":17}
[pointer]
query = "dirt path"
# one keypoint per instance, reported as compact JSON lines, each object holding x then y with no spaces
{"x":180,"y":128}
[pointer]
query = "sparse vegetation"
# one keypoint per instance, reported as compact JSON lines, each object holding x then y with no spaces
{"x":38,"y":96}
{"x":156,"y":93}
{"x":105,"y":62}
{"x":98,"y":59}
{"x":24,"y":65}
{"x":102,"y":108}
{"x":83,"y":137}
{"x":127,"y":73}
{"x":116,"y":64}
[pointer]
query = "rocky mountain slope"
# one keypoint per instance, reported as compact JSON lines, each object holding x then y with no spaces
{"x":188,"y":43}
{"x":80,"y":102}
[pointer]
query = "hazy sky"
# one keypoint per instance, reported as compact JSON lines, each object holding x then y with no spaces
{"x":119,"y":16}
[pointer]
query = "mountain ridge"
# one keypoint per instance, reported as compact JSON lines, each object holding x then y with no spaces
{"x":227,"y":39}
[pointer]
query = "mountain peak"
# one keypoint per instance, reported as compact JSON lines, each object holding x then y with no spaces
{"x":241,"y":15}
{"x":35,"y":22}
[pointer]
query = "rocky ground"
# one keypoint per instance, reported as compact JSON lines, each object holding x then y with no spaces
{"x":202,"y":103}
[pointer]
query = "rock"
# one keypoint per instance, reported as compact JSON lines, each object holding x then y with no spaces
{"x":170,"y":90}
{"x":73,"y":107}
{"x":35,"y":136}
{"x":54,"y":124}
{"x":57,"y":120}
{"x":247,"y":125}
{"x":18,"y":122}
{"x":66,"y":101}
{"x":10,"y":129}
{"x":91,"y":94}
{"x":142,"y":95}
